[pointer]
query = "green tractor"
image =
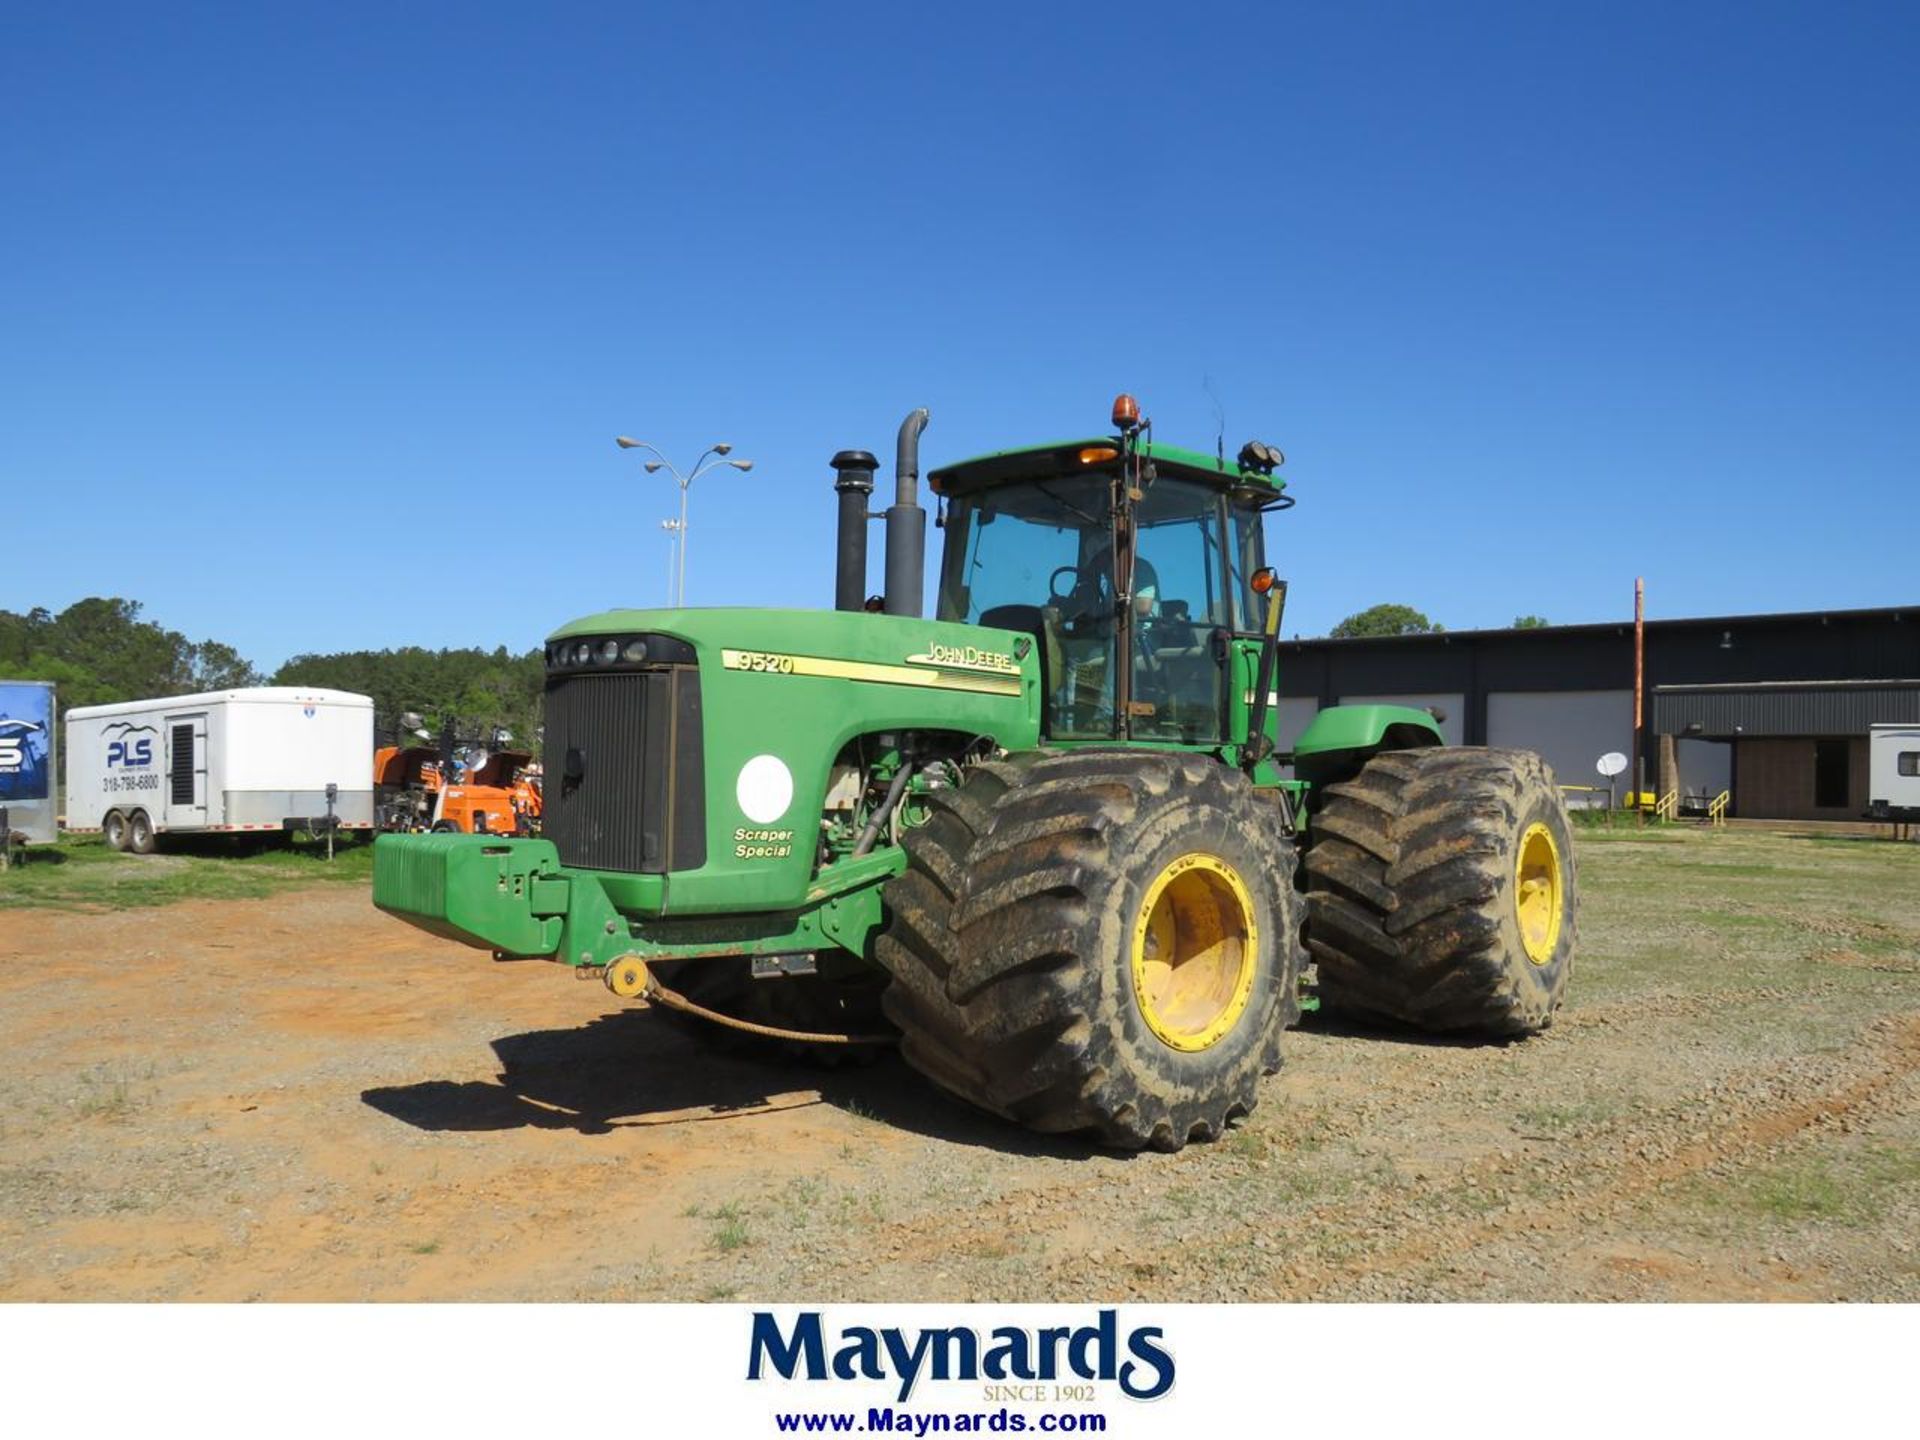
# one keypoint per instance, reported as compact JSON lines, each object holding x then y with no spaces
{"x":1044,"y":841}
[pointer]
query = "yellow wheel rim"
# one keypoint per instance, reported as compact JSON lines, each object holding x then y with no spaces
{"x":1538,"y":888}
{"x":1195,"y":949}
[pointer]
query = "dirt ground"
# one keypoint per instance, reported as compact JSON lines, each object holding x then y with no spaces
{"x":295,"y":1098}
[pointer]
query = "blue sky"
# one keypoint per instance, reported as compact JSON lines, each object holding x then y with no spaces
{"x":316,"y":326}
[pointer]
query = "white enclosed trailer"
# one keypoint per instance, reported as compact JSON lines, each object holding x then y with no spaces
{"x":232,"y":762}
{"x":1893,"y":773}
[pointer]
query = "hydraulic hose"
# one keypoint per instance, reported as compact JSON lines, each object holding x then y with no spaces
{"x":879,"y":817}
{"x":660,"y":995}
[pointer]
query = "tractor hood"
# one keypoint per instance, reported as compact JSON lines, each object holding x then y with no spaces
{"x":781,"y":695}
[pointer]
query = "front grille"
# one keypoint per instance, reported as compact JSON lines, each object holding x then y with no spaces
{"x":625,"y":770}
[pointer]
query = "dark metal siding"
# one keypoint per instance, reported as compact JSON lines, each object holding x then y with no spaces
{"x":1723,"y":712}
{"x":1741,"y":650}
{"x":638,"y":800}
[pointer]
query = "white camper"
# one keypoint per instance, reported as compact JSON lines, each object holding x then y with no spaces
{"x":232,"y":762}
{"x":1893,"y":773}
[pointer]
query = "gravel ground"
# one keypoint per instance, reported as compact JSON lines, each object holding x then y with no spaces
{"x":296,"y":1098}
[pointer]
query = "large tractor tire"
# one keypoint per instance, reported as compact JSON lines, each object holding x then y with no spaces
{"x":1440,"y":892}
{"x":1097,"y":940}
{"x":814,"y":1004}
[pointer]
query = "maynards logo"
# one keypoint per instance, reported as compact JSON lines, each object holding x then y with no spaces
{"x":967,"y":657}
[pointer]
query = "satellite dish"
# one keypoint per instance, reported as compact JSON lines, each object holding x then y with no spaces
{"x":1611,"y":763}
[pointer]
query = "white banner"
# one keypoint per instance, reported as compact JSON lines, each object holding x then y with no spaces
{"x":349,"y":1372}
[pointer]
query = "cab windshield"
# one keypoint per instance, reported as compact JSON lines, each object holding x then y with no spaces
{"x":1038,"y":556}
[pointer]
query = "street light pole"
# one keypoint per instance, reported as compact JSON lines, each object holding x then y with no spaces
{"x":710,"y":458}
{"x":672,"y":527}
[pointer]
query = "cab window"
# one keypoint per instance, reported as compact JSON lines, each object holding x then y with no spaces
{"x":1182,"y":595}
{"x":1037,"y":556}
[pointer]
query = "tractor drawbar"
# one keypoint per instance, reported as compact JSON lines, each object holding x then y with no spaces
{"x":631,"y":979}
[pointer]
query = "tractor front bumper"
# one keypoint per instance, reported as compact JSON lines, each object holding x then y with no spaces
{"x":514,"y":898}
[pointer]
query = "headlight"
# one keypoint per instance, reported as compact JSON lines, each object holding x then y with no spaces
{"x":609,"y":651}
{"x":582,"y":653}
{"x":635,"y":652}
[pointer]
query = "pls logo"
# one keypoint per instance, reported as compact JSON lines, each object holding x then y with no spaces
{"x":133,"y":747}
{"x":857,"y":1352}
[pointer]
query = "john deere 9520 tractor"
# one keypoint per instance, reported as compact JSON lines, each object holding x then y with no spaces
{"x":1046,"y":840}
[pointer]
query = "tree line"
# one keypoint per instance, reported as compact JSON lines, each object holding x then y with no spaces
{"x":100,"y":650}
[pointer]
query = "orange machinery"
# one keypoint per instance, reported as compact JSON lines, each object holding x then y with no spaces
{"x":499,"y":796}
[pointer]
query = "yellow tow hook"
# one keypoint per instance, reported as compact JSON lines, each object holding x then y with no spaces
{"x":629,"y":978}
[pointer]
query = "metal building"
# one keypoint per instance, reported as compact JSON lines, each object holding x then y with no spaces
{"x":1774,"y":709}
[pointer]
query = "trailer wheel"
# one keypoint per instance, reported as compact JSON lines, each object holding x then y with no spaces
{"x":1440,"y":892}
{"x":140,"y":836}
{"x":445,"y":827}
{"x":114,"y":830}
{"x":1097,"y":940}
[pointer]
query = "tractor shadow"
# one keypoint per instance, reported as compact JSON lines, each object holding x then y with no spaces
{"x":1341,"y":1027}
{"x":631,"y":1068}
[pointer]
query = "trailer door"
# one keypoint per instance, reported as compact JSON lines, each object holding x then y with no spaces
{"x":186,"y":771}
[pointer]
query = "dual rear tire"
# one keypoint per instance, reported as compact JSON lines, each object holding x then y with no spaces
{"x":1441,"y":894}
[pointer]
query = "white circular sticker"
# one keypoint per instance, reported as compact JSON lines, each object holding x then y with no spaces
{"x":765,"y":789}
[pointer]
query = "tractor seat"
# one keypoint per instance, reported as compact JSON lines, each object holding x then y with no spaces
{"x":1041,"y":622}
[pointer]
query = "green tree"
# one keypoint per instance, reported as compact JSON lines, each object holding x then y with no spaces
{"x":1530,"y":622}
{"x":477,"y":689}
{"x":99,"y":650}
{"x":221,"y":667}
{"x":1385,"y":620}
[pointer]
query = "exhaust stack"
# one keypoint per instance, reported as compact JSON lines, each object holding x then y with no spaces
{"x":853,"y":480}
{"x":906,"y":524}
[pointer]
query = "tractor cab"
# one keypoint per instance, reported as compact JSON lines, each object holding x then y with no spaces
{"x":1132,"y":567}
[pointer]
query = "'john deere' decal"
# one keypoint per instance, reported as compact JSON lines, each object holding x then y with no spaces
{"x":967,"y":657}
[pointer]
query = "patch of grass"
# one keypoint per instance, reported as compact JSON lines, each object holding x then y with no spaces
{"x":1807,"y":1193}
{"x":106,"y":1095}
{"x":803,"y":1192}
{"x":1563,"y":1119}
{"x":1623,"y":831}
{"x":1733,"y":870}
{"x":730,"y":1228}
{"x":425,"y":1247}
{"x":1247,"y":1145}
{"x":1182,"y":1202}
{"x":1743,"y":920}
{"x":1847,"y":1189}
{"x":84,"y":875}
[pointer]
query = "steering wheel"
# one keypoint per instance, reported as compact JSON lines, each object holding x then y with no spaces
{"x":1053,"y":582}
